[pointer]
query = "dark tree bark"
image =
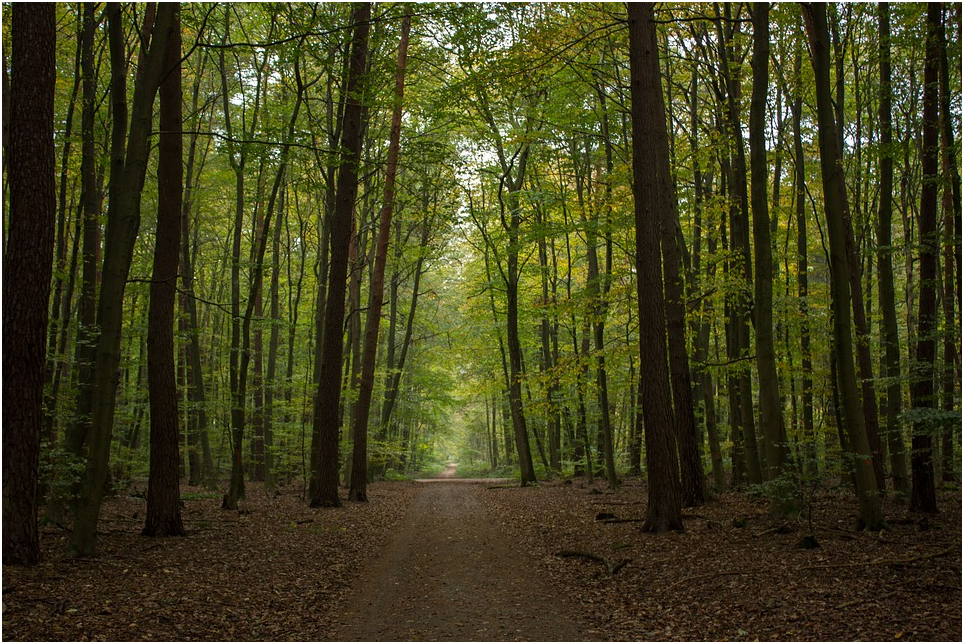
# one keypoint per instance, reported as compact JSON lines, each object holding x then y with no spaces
{"x":740,"y":306}
{"x":810,"y":464}
{"x":923,"y":497}
{"x":163,"y":491}
{"x":885,"y":265}
{"x":950,"y":247}
{"x":323,"y":487}
{"x":771,"y":415}
{"x":691,"y":462}
{"x":27,"y":269}
{"x":201,"y":468}
{"x":650,"y":176}
{"x":835,"y":200}
{"x":703,"y":380}
{"x":130,"y":152}
{"x":359,"y":470}
{"x":75,"y":434}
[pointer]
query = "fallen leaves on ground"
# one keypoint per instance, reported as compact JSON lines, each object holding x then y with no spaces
{"x":276,"y":570}
{"x":281,"y":571}
{"x":735,"y":574}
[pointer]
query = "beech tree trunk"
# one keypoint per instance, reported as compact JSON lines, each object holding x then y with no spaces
{"x":359,"y":470}
{"x":923,"y":497}
{"x":835,"y":203}
{"x":650,"y":176}
{"x":130,"y":152}
{"x":323,"y":487}
{"x":810,"y":464}
{"x":885,"y":266}
{"x":740,"y":307}
{"x":27,"y":269}
{"x":163,"y":491}
{"x":771,"y":414}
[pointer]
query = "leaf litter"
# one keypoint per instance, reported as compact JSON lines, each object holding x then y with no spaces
{"x":280,"y":571}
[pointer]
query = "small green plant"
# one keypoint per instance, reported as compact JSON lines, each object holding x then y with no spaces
{"x":60,"y":472}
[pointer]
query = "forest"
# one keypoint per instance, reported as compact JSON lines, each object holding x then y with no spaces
{"x":267,"y":264}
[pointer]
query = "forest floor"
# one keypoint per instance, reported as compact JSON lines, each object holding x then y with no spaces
{"x":456,"y":560}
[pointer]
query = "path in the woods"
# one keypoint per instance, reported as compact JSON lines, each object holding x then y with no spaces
{"x":452,"y":575}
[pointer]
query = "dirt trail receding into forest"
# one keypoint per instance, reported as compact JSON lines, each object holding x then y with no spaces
{"x":451,"y":574}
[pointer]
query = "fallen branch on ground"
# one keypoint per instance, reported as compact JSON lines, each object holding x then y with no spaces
{"x":886,"y":562}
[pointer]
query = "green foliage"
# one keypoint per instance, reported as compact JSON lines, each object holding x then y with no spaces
{"x":485,"y":79}
{"x":60,"y":471}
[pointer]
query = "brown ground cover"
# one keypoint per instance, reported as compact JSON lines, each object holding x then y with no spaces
{"x":281,"y":571}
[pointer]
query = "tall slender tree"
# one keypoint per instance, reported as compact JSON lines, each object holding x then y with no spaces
{"x":323,"y":488}
{"x":163,"y":492}
{"x":650,"y":176}
{"x":835,"y":202}
{"x":130,"y":151}
{"x":771,"y":417}
{"x":359,"y":471}
{"x":885,"y":263}
{"x":923,"y":373}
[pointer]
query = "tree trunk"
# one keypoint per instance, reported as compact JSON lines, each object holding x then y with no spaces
{"x":650,"y":176}
{"x":771,"y":415}
{"x":27,"y":269}
{"x":359,"y":471}
{"x":163,"y":492}
{"x":835,"y":198}
{"x":885,"y":265}
{"x":741,"y":306}
{"x":691,"y":461}
{"x":129,"y":157}
{"x":951,"y":200}
{"x":922,"y":496}
{"x":323,"y":487}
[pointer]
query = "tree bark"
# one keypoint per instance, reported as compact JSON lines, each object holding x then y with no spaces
{"x":323,"y":487}
{"x":771,"y":415}
{"x":129,"y":156}
{"x":27,"y":269}
{"x":885,"y":265}
{"x":740,"y":304}
{"x":163,"y":492}
{"x":359,"y":471}
{"x":923,"y":497}
{"x":650,"y":152}
{"x":810,"y":463}
{"x":835,"y":198}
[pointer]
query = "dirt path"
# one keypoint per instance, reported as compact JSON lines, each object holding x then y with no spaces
{"x":452,"y":574}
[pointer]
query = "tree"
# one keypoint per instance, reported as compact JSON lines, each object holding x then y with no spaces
{"x":650,"y":179}
{"x":771,"y":417}
{"x":27,"y":269}
{"x":359,"y":472}
{"x":163,"y":492}
{"x":129,"y":155}
{"x":835,"y":202}
{"x":885,"y":264}
{"x":323,"y":489}
{"x":924,"y":371}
